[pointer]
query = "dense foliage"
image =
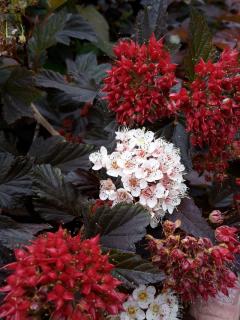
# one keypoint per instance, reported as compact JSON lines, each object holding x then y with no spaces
{"x":119,"y":157}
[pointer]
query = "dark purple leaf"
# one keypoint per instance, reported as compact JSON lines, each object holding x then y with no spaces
{"x":192,"y":220}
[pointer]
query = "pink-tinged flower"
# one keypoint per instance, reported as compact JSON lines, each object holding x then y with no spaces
{"x":63,"y":277}
{"x":149,"y":170}
{"x":99,"y":158}
{"x":122,"y":196}
{"x":169,"y":203}
{"x":107,"y":190}
{"x":138,"y":85}
{"x":112,"y":166}
{"x":133,"y":184}
{"x":127,"y":163}
{"x":149,"y":196}
{"x":216,"y":216}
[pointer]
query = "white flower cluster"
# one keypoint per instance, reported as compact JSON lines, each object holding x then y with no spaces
{"x":150,"y":170}
{"x":144,"y":304}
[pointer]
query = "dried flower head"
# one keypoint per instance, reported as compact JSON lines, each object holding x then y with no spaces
{"x":194,"y":266}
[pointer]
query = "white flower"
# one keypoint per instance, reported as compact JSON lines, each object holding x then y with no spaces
{"x":165,"y":307}
{"x":127,"y":163}
{"x":99,"y":158}
{"x":140,"y":138}
{"x":107,"y":190}
{"x":168,"y":204}
{"x":124,"y":135}
{"x":144,"y":295}
{"x":156,"y":215}
{"x":149,"y":196}
{"x":113,"y":169}
{"x":132,"y":311}
{"x":133,"y":185}
{"x":121,"y":195}
{"x":158,"y":311}
{"x":149,"y":170}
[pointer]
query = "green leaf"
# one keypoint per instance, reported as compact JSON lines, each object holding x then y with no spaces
{"x":54,"y":198}
{"x":192,"y":221}
{"x":17,"y":94}
{"x":85,"y":66}
{"x":132,"y":270}
{"x":44,"y":37}
{"x":59,"y":27}
{"x":200,"y":45}
{"x":54,"y":4}
{"x":62,"y":154}
{"x":12,"y":233}
{"x":82,"y":91}
{"x":100,"y":26}
{"x":96,"y":20}
{"x":120,"y":227}
{"x":14,"y":179}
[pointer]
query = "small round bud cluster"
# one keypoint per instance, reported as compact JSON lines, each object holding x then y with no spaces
{"x":62,"y":276}
{"x":139,"y":83}
{"x":212,"y":109}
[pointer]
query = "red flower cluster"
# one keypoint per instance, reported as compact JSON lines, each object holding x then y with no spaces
{"x":194,"y":266}
{"x":61,"y":276}
{"x":139,"y":83}
{"x":213,"y":108}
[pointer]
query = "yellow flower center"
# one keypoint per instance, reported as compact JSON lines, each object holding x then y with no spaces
{"x":155,"y":308}
{"x":115,"y":165}
{"x":142,"y":295}
{"x":131,"y":310}
{"x":133,"y":182}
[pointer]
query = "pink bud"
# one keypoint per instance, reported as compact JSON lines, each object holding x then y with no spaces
{"x":216,"y":217}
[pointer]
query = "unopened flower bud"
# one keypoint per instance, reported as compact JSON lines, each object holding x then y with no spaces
{"x":22,"y":39}
{"x":216,"y":216}
{"x":175,"y":39}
